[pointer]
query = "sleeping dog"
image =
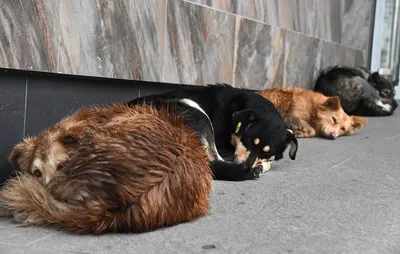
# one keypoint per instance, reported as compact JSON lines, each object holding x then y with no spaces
{"x":237,"y":124}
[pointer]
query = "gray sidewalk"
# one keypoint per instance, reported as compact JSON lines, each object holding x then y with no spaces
{"x":338,"y":196}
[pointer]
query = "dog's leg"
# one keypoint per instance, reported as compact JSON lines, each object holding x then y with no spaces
{"x":229,"y":171}
{"x":300,"y":127}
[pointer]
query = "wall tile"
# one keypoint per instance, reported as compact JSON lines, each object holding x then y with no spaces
{"x":328,"y":17}
{"x":12,"y":108}
{"x":29,"y":33}
{"x":328,"y":54}
{"x":259,"y":56}
{"x":361,"y":58}
{"x":356,"y":23}
{"x":199,"y":45}
{"x":301,"y":60}
{"x":346,"y":56}
{"x":297,"y":15}
{"x":118,"y":39}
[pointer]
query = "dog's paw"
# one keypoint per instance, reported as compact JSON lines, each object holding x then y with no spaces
{"x":258,"y":171}
{"x":255,"y":172}
{"x":266,"y":166}
{"x":385,"y":107}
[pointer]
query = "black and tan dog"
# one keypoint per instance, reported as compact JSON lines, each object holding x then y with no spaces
{"x":247,"y":127}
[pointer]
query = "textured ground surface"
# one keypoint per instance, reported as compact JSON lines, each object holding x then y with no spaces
{"x":338,"y":196}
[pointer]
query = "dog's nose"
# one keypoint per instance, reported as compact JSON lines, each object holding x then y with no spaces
{"x":332,"y":135}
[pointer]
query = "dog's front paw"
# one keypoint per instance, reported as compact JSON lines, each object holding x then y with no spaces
{"x":255,"y":172}
{"x":385,"y":107}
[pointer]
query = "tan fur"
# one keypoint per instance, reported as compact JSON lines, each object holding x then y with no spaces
{"x":312,"y":114}
{"x":135,"y":169}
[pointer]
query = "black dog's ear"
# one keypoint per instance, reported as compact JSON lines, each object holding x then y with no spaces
{"x":374,"y":77}
{"x":292,"y":140}
{"x":242,"y":119}
{"x":246,"y":115}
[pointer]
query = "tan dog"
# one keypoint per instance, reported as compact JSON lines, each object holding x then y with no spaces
{"x":312,"y":114}
{"x":116,"y":169}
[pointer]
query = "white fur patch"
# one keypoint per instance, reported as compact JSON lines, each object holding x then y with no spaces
{"x":195,"y":105}
{"x":219,"y":156}
{"x":386,"y":107}
{"x":52,"y":163}
{"x":37,"y":163}
{"x":266,"y":166}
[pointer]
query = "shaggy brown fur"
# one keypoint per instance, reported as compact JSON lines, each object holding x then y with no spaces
{"x":312,"y":114}
{"x":137,"y":171}
{"x":49,"y":149}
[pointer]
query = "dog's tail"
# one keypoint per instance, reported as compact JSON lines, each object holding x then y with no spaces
{"x":31,"y":203}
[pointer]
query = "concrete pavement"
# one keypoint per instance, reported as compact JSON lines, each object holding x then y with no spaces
{"x":337,"y":196}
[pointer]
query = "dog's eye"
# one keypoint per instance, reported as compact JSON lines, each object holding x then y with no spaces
{"x":37,"y":173}
{"x":342,"y":129}
{"x":333,"y":120}
{"x":61,"y":165}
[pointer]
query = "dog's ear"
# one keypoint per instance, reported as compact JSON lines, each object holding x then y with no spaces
{"x":374,"y":77}
{"x":292,"y":141}
{"x":358,"y":122}
{"x":17,"y":154}
{"x":332,"y":103}
{"x":242,"y":119}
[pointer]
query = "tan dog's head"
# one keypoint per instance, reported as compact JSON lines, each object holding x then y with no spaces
{"x":41,"y":156}
{"x":333,"y":122}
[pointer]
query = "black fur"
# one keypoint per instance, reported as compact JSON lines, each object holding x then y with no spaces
{"x":360,"y":91}
{"x":220,"y":102}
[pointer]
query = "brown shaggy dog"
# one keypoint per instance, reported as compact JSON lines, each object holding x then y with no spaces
{"x":312,"y":114}
{"x":138,"y":170}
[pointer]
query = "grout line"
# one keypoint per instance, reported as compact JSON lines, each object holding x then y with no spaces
{"x":59,"y":39}
{"x":276,"y":26}
{"x":393,"y":137}
{"x":25,"y":106}
{"x":235,"y":49}
{"x":162,"y":62}
{"x":41,"y":238}
{"x":13,"y":244}
{"x":343,"y":162}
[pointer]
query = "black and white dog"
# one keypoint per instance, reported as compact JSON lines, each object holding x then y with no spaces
{"x":361,"y":92}
{"x":242,"y":131}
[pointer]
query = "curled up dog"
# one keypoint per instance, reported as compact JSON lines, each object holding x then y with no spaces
{"x":115,"y":169}
{"x":225,"y":107}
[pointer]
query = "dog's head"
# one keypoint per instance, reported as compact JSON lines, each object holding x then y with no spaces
{"x":333,"y":122}
{"x":385,"y":87}
{"x":43,"y":155}
{"x":259,"y":141}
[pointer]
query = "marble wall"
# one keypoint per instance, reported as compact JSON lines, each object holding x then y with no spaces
{"x":248,"y":43}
